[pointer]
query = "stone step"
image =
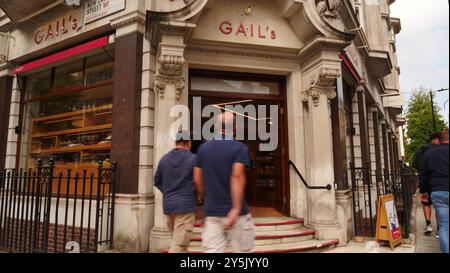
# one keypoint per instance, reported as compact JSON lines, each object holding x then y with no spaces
{"x":267,"y":224}
{"x":296,"y":247}
{"x":271,"y":237}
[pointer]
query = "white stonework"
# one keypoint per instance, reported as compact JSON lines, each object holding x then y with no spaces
{"x":300,"y":40}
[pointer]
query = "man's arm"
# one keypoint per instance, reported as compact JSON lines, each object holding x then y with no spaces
{"x":238,"y":181}
{"x":158,"y":179}
{"x":198,"y":180}
{"x":424,"y":176}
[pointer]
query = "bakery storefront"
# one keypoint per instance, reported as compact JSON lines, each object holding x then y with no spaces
{"x":61,"y":70}
{"x":280,"y":54}
{"x":67,"y":110}
{"x":107,"y":84}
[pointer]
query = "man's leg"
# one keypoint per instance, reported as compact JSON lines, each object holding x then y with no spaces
{"x":214,"y":239}
{"x":440,"y":201}
{"x":427,"y":212}
{"x":182,"y":231}
{"x":243,"y":235}
{"x":438,"y":225}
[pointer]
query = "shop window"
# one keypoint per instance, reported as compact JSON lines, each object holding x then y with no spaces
{"x":74,"y":126}
{"x":69,"y":75}
{"x":235,"y":86}
{"x":99,"y":68}
{"x":75,"y":129}
{"x":38,"y":84}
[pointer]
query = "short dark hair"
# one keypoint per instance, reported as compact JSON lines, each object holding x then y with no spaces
{"x":443,"y":136}
{"x":183,"y":138}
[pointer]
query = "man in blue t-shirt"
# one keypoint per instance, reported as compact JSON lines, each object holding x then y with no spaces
{"x":220,"y":177}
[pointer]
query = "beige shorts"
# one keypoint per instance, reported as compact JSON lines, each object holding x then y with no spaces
{"x":241,"y":237}
{"x":181,"y":226}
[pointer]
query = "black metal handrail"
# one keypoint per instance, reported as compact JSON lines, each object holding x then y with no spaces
{"x":327,"y":187}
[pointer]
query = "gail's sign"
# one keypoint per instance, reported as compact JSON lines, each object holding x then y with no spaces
{"x":97,"y":9}
{"x":61,"y":27}
{"x":248,"y":30}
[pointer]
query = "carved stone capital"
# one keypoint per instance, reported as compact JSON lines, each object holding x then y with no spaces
{"x":162,"y":81}
{"x":323,"y":82}
{"x":315,"y":92}
{"x":325,"y":77}
{"x":171,"y":65}
{"x":171,"y":59}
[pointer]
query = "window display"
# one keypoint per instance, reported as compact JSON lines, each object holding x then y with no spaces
{"x":74,"y":128}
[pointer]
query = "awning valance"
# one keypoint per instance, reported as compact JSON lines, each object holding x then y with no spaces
{"x":63,"y":55}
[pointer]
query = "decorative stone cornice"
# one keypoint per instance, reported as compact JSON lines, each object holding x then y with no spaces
{"x":162,"y":81}
{"x":323,"y":82}
{"x":241,"y":53}
{"x":123,"y":21}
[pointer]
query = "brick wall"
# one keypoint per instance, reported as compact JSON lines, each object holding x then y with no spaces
{"x":18,"y":235}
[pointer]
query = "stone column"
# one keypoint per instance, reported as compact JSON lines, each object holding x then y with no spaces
{"x":5,"y":103}
{"x":13,"y":121}
{"x":376,"y":134}
{"x":385,"y":146}
{"x":130,"y":147}
{"x":322,"y":203}
{"x":391,"y":151}
{"x":339,"y":145}
{"x":170,"y":84}
{"x":377,"y":148}
{"x":363,"y":127}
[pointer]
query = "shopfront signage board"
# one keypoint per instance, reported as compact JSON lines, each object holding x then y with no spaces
{"x":388,"y":225}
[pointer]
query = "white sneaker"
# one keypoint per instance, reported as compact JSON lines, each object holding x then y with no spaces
{"x":428,"y":230}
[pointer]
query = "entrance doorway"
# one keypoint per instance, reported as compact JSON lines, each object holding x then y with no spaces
{"x":267,"y":188}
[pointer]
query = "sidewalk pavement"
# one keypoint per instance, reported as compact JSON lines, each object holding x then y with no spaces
{"x":417,"y":243}
{"x":425,"y":243}
{"x":370,"y":246}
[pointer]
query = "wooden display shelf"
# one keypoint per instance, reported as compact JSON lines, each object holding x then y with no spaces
{"x":65,"y":116}
{"x":72,"y":149}
{"x":78,"y":167}
{"x":75,"y":131}
{"x":83,"y":182}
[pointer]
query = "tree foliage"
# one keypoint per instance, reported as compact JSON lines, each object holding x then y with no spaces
{"x":420,"y":121}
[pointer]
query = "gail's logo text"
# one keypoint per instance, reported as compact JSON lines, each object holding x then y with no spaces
{"x":248,"y":30}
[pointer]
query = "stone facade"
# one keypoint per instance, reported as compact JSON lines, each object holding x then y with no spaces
{"x":317,"y":45}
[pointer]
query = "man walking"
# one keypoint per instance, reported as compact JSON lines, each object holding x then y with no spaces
{"x":417,"y":164}
{"x":221,"y":171}
{"x":434,"y":174}
{"x":174,"y":178}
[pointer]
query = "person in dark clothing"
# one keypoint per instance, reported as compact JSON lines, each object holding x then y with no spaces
{"x":417,"y":164}
{"x":174,"y":178}
{"x":221,"y":171}
{"x":434,"y":175}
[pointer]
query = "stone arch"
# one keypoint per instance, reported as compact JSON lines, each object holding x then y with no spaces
{"x":186,"y":12}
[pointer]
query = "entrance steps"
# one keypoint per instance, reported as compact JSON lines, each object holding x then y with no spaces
{"x":274,"y":235}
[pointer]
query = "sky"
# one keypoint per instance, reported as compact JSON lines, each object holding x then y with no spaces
{"x":423,"y":47}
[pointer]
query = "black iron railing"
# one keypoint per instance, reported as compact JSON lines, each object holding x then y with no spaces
{"x":52,"y":210}
{"x":404,"y":190}
{"x":327,"y":187}
{"x":367,"y":186}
